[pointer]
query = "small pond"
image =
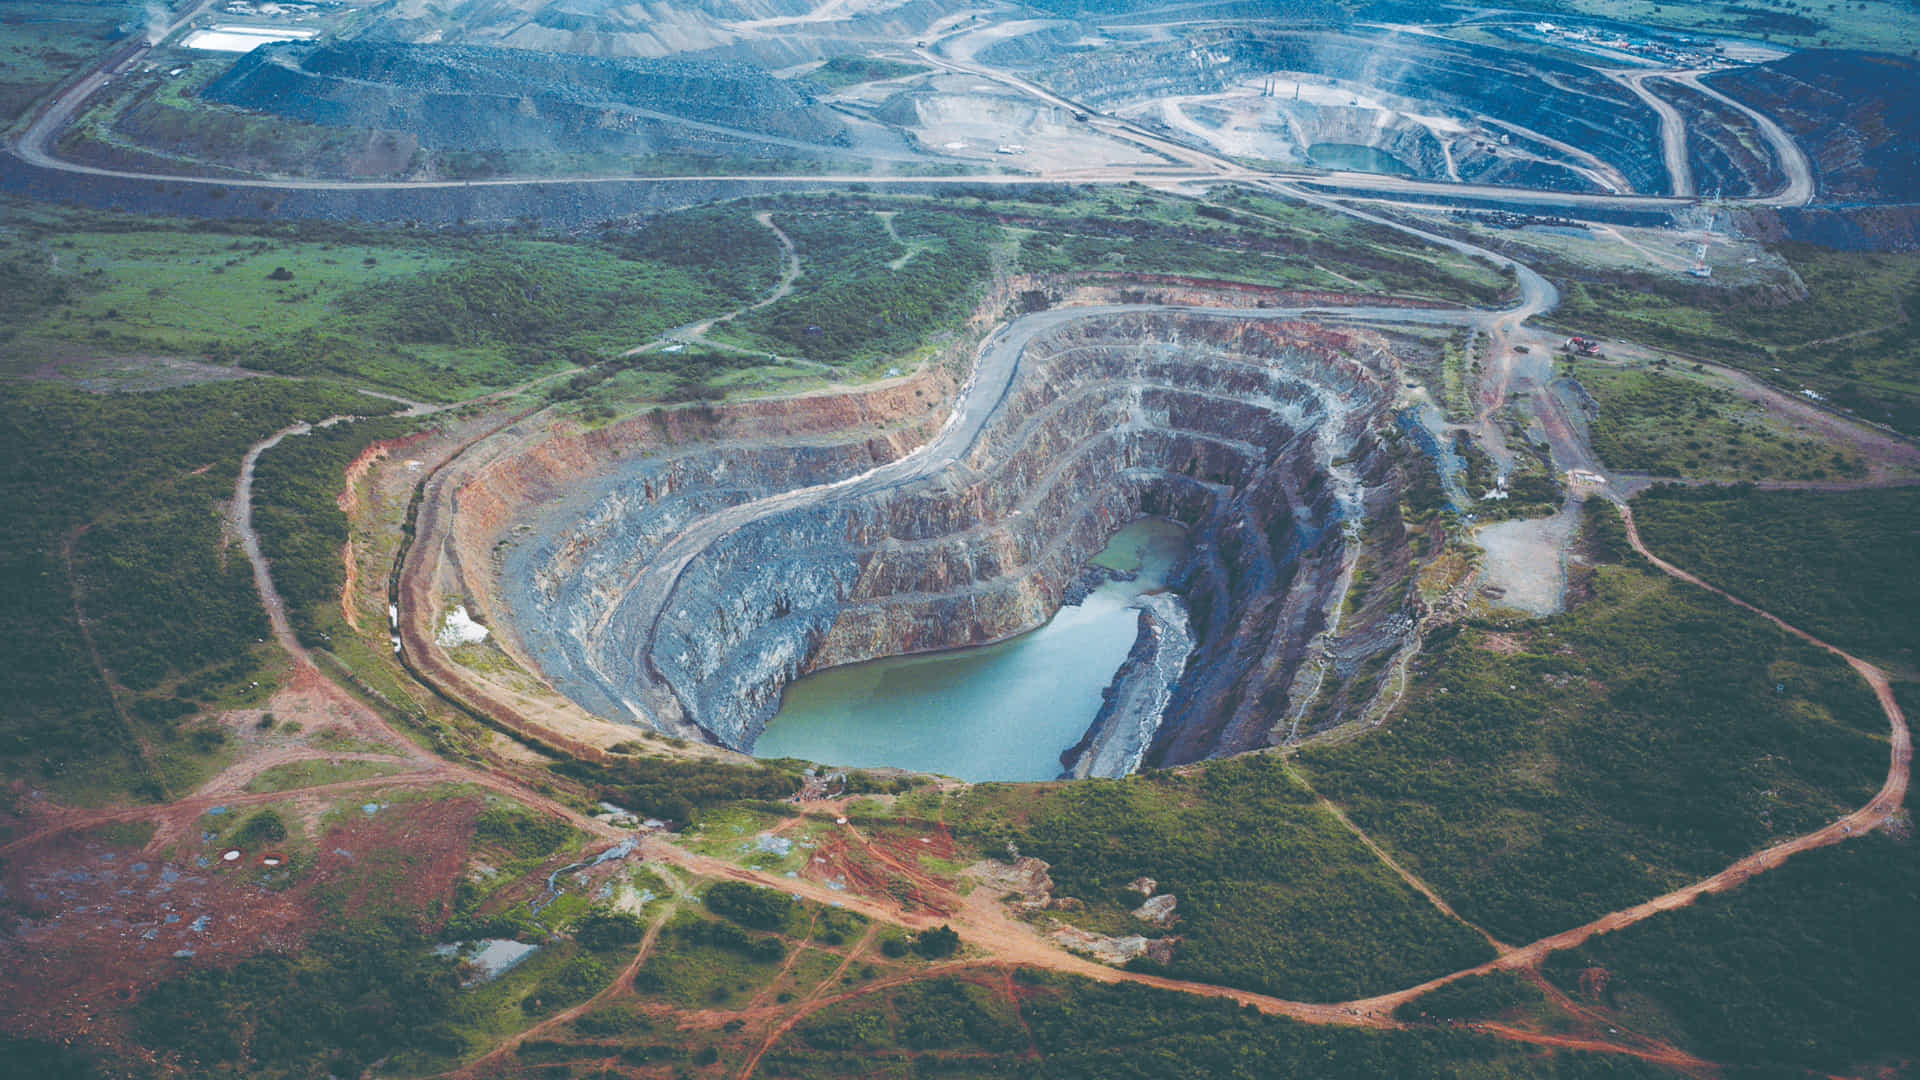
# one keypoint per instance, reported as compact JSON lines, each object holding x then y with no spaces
{"x":996,"y":712}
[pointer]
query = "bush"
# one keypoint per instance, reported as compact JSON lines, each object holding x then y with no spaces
{"x":525,"y":835}
{"x":602,"y":928}
{"x":937,"y":944}
{"x":749,"y":905}
{"x":264,"y":827}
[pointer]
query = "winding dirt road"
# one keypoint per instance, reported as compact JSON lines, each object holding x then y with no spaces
{"x":1188,"y":164}
{"x":647,"y":593}
{"x":1673,"y":129}
{"x":984,"y":923}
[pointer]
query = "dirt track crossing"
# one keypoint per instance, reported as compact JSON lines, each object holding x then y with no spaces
{"x":983,"y":923}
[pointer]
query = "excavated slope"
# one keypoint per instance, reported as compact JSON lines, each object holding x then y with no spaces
{"x":1228,"y":423}
{"x":513,"y":99}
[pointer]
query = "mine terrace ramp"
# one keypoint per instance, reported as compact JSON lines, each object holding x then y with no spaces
{"x":984,"y":394}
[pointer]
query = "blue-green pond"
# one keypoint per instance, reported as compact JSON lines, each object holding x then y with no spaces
{"x":995,"y":712}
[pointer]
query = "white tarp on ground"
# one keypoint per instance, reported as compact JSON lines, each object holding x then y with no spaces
{"x":459,"y":629}
{"x":241,"y":39}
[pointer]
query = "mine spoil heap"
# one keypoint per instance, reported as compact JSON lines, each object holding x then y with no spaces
{"x":1227,"y":423}
{"x":514,"y":99}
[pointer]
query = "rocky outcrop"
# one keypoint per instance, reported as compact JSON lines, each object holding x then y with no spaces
{"x":1024,"y":880}
{"x":1159,"y":910}
{"x":1229,"y":424}
{"x":1109,"y":949}
{"x":1135,"y":703}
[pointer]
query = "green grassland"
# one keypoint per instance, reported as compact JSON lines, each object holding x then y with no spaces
{"x":432,"y":315}
{"x":1059,"y":1027}
{"x":1606,"y":755}
{"x":111,"y":514}
{"x":1807,"y":967}
{"x":43,"y":41}
{"x":1839,"y":565}
{"x":1850,"y":340}
{"x":300,"y":774}
{"x":1671,"y":422}
{"x":1274,"y":893}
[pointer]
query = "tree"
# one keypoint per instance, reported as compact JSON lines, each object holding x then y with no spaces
{"x":937,"y":944}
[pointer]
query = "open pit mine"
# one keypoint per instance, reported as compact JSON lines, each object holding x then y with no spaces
{"x":680,"y":568}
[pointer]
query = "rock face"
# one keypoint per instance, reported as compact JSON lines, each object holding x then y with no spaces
{"x":1857,"y":116}
{"x":1026,"y":878}
{"x":1158,"y":910}
{"x":1228,"y":423}
{"x":1135,"y":703}
{"x":1113,"y":950}
{"x":1477,"y":93}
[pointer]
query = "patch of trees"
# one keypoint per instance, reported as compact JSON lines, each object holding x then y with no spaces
{"x":1274,"y":894}
{"x":1839,"y":565}
{"x":761,"y":949}
{"x":938,"y":943}
{"x":1622,"y":748}
{"x":602,"y":929}
{"x":850,"y":304}
{"x":131,"y":485}
{"x":348,"y":999}
{"x":749,"y":905}
{"x":727,"y":248}
{"x":265,"y":827}
{"x":527,"y":836}
{"x":296,"y":511}
{"x":674,"y":789}
{"x":948,"y":1014}
{"x":849,"y":70}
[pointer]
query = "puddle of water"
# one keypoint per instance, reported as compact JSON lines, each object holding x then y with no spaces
{"x":996,"y":712}
{"x":1353,"y":157}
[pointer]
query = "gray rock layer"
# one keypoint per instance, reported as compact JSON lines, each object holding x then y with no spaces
{"x":1227,"y":424}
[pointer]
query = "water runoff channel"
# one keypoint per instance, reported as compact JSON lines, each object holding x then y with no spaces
{"x":1004,"y":711}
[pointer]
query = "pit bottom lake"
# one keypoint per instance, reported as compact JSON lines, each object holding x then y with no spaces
{"x":994,"y":712}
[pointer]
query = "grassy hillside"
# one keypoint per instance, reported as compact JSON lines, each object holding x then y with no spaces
{"x":1839,"y":565}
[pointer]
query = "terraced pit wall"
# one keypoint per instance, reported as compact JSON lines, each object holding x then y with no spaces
{"x":1228,"y":423}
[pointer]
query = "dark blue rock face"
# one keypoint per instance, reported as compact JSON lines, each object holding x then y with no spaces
{"x":1260,"y":437}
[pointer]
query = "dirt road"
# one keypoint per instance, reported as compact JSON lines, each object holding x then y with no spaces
{"x":1673,"y":129}
{"x":1799,"y":190}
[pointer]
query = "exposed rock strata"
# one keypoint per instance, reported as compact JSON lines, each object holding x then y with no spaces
{"x":1135,"y":703}
{"x":511,"y":99}
{"x":511,"y":494}
{"x":1228,"y":424}
{"x":1564,"y":103}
